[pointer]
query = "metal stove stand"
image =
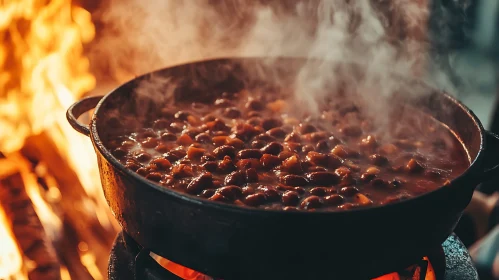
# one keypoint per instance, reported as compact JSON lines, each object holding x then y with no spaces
{"x":128,"y":262}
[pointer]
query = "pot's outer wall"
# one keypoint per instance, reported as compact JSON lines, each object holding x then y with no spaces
{"x":236,"y":243}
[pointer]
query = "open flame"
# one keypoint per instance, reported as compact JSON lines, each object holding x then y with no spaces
{"x":43,"y":70}
{"x":189,"y":274}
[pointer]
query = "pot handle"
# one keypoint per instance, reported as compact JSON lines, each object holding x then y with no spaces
{"x":491,"y":161}
{"x":77,"y":109}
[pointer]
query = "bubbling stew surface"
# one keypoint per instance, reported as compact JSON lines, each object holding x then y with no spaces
{"x":248,"y":149}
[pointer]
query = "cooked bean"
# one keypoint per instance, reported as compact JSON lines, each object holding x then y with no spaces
{"x":162,"y":163}
{"x":270,"y":161}
{"x":255,"y":121}
{"x":202,"y":138}
{"x":299,"y":190}
{"x":323,"y":178}
{"x":285,"y":154}
{"x":207,"y":193}
{"x":226,"y":165}
{"x":319,"y":191}
{"x":175,"y":127}
{"x":161,"y":124}
{"x":184,"y":140}
{"x":252,"y":114}
{"x":257,"y":144}
{"x":378,"y":160}
{"x":143,"y":157}
{"x":182,"y":115}
{"x":251,"y":175}
{"x":271,"y":123}
{"x":334,"y":200}
{"x":367,"y":177}
{"x":182,"y":171}
{"x":200,"y":183}
{"x":290,"y":198}
{"x":293,"y":137}
{"x":132,"y":165}
{"x":255,"y":105}
{"x":222,"y":102}
{"x":369,"y":143}
{"x":175,"y":155}
{"x":377,"y":182}
{"x":167,"y":136}
{"x":149,"y":143}
{"x":307,"y":148}
{"x":219,"y":197}
{"x":120,"y":152}
{"x":271,"y":194}
{"x":235,"y":178}
{"x":208,"y":118}
{"x":232,"y":113}
{"x":293,"y":180}
{"x":317,"y":158}
{"x":234,"y":142}
{"x":349,"y":191}
{"x":154,"y":176}
{"x":245,"y":131}
{"x":344,"y":152}
{"x":322,"y":146}
{"x":311,"y":202}
{"x":293,"y":147}
{"x":195,"y":153}
{"x":244,"y":164}
{"x":255,"y":199}
{"x":414,"y":166}
{"x":210,"y":166}
{"x":277,"y":132}
{"x":292,"y":165}
{"x":249,"y":153}
{"x":306,"y":128}
{"x":273,"y":148}
{"x":231,"y":192}
{"x":217,"y":125}
{"x":224,"y":151}
{"x":142,"y":171}
{"x":247,"y":191}
{"x":147,"y":133}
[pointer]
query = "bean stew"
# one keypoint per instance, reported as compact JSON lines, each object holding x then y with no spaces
{"x":248,"y":149}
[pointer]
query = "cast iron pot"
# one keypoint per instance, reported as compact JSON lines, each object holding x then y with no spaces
{"x":233,"y":242}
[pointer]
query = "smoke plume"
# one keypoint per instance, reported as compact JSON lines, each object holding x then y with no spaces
{"x":388,"y":38}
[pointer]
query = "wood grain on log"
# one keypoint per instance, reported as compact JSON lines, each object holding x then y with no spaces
{"x":26,"y":226}
{"x":78,"y":208}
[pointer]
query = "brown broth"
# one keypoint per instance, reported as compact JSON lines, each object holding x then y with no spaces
{"x":250,"y":151}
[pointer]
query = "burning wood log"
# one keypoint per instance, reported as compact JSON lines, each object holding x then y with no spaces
{"x":79,"y":209}
{"x":26,"y":226}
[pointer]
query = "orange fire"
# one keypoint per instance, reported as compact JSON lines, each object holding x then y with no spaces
{"x":189,"y":274}
{"x":43,"y":70}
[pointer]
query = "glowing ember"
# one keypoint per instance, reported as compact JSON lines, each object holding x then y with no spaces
{"x":189,"y":274}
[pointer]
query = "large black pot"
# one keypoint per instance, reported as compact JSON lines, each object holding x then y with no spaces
{"x":241,"y":243}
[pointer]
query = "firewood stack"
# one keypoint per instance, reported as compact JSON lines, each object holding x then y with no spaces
{"x":57,"y":227}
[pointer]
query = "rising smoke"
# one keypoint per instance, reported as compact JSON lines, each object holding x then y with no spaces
{"x":384,"y":36}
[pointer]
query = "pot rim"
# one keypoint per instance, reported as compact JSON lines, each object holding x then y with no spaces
{"x":470,"y":172}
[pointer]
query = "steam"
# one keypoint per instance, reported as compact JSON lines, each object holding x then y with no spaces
{"x":385,"y":37}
